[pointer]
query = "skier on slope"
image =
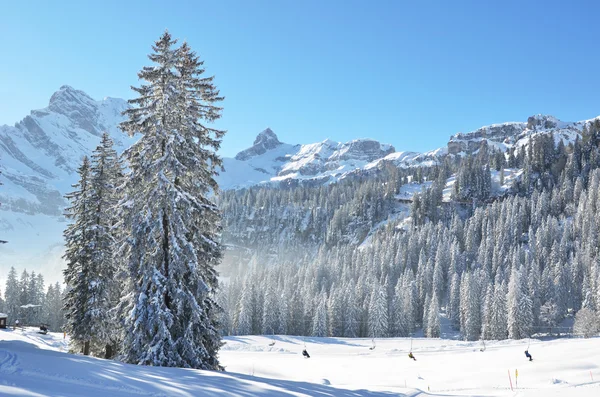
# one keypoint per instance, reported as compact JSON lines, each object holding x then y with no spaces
{"x":305,"y":353}
{"x":528,"y":355}
{"x":410,"y":355}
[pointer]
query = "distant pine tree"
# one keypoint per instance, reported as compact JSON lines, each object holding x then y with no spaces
{"x":519,"y":307}
{"x":319,"y":323}
{"x":11,"y":295}
{"x":378,"y":312}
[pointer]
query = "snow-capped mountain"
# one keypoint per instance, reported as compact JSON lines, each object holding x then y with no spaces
{"x":270,"y":160}
{"x":40,"y":154}
{"x":38,"y":159}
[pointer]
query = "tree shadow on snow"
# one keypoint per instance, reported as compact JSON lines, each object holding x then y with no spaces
{"x":47,"y":371}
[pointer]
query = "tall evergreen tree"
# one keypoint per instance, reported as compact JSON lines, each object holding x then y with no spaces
{"x":244,"y":315}
{"x":519,"y":307}
{"x":171,"y":223}
{"x":350,"y":316}
{"x":24,"y":297}
{"x":90,"y":272}
{"x":271,"y":313}
{"x":78,"y":254}
{"x":11,"y":295}
{"x":433,"y":320}
{"x":319,"y":323}
{"x":53,"y":312}
{"x":105,"y":175}
{"x":498,"y":324}
{"x":378,"y":312}
{"x":454,"y":301}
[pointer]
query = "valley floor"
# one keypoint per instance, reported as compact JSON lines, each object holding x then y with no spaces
{"x":37,"y":365}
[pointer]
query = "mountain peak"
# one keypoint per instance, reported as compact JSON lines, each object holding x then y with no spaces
{"x":67,"y":98}
{"x":268,"y":138}
{"x":542,"y":121}
{"x":264,"y":141}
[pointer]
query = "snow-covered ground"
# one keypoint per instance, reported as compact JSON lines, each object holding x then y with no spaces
{"x":37,"y":365}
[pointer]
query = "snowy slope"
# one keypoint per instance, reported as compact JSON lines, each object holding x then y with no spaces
{"x":36,"y":365}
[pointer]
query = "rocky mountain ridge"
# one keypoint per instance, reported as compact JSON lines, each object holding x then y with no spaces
{"x":515,"y":134}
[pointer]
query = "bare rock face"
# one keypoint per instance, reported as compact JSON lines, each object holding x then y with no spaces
{"x":540,"y":121}
{"x":471,"y":141}
{"x":364,"y":150}
{"x":509,"y":133}
{"x":264,"y":141}
{"x":76,"y":105}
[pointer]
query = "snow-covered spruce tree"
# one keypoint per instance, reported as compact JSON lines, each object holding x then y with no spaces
{"x":23,"y":296}
{"x":498,"y":322}
{"x":11,"y":295}
{"x":106,"y":172}
{"x":172,"y":226}
{"x":90,"y":273}
{"x":454,"y":301}
{"x":400,"y":326}
{"x":243,"y":318}
{"x":35,"y":296}
{"x":351,"y":313}
{"x":378,"y":312}
{"x":335,"y":305}
{"x":319,"y":323}
{"x":53,"y":314}
{"x":519,"y":307}
{"x":433,"y":321}
{"x":271,"y":317}
{"x":470,"y":306}
{"x":587,"y":323}
{"x":78,"y":255}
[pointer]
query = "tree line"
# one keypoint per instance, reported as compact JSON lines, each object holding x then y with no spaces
{"x":28,"y":300}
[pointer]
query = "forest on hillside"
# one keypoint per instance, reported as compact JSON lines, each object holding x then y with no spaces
{"x":354,"y":259}
{"x":343,"y":259}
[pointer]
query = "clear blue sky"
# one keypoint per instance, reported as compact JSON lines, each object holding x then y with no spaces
{"x":410,"y":73}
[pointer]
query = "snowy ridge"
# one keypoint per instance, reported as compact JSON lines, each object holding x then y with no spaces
{"x":516,"y":134}
{"x":271,"y":161}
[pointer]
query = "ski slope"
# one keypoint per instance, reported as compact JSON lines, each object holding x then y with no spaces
{"x":38,"y":365}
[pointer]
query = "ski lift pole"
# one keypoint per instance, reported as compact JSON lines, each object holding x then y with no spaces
{"x":372,"y":344}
